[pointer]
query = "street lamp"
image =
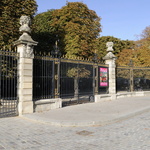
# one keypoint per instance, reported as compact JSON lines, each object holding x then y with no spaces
{"x":56,"y":52}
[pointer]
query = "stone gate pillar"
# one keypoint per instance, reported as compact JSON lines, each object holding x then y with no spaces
{"x":25,"y":46}
{"x":110,"y":60}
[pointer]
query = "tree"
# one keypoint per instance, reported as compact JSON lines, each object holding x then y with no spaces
{"x":78,"y":28}
{"x":143,"y":48}
{"x":143,"y":58}
{"x":125,"y":56}
{"x":77,"y":73}
{"x":10,"y":12}
{"x":119,"y":45}
{"x":43,"y":32}
{"x":146,"y":33}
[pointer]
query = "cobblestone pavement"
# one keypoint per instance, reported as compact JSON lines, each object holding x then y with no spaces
{"x":21,"y":134}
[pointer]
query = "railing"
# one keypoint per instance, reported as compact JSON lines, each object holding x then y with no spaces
{"x":8,"y":83}
{"x":71,"y":80}
{"x":133,"y":78}
{"x":43,"y":78}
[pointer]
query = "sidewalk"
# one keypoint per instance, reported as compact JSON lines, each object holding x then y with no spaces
{"x":92,"y":114}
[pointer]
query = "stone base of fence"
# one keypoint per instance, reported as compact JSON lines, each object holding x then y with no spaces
{"x":110,"y":97}
{"x":47,"y":104}
{"x":147,"y":93}
{"x":25,"y":107}
{"x":129,"y":94}
{"x":105,"y":97}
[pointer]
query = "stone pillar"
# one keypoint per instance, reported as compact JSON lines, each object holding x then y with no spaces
{"x":25,"y":46}
{"x":110,"y":60}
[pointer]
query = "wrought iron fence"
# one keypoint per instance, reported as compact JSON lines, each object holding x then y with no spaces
{"x":8,"y":83}
{"x":141,"y":77}
{"x":43,"y":77}
{"x":75,"y":81}
{"x":133,"y":78}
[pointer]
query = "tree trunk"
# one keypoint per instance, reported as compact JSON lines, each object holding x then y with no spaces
{"x":76,"y":88}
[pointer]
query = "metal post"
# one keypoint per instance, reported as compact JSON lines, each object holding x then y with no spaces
{"x":0,"y":75}
{"x":56,"y":54}
{"x":93,"y":79}
{"x":96,"y":79}
{"x":131,"y":76}
{"x":57,"y":78}
{"x":95,"y":74}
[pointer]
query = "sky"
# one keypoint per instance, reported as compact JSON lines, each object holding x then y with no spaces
{"x":123,"y":19}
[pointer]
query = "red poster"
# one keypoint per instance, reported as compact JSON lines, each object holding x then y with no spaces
{"x":103,"y":76}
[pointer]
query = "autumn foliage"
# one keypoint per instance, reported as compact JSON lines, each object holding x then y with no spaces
{"x":78,"y":28}
{"x":10,"y":12}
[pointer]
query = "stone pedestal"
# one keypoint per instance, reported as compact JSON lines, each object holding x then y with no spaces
{"x":25,"y":85}
{"x":110,"y":60}
{"x":25,"y":46}
{"x":25,"y":73}
{"x":112,"y":76}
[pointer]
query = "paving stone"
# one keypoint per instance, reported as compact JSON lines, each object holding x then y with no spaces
{"x":18,"y":133}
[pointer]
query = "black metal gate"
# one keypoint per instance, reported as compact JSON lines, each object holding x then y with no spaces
{"x":8,"y":84}
{"x":75,"y":81}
